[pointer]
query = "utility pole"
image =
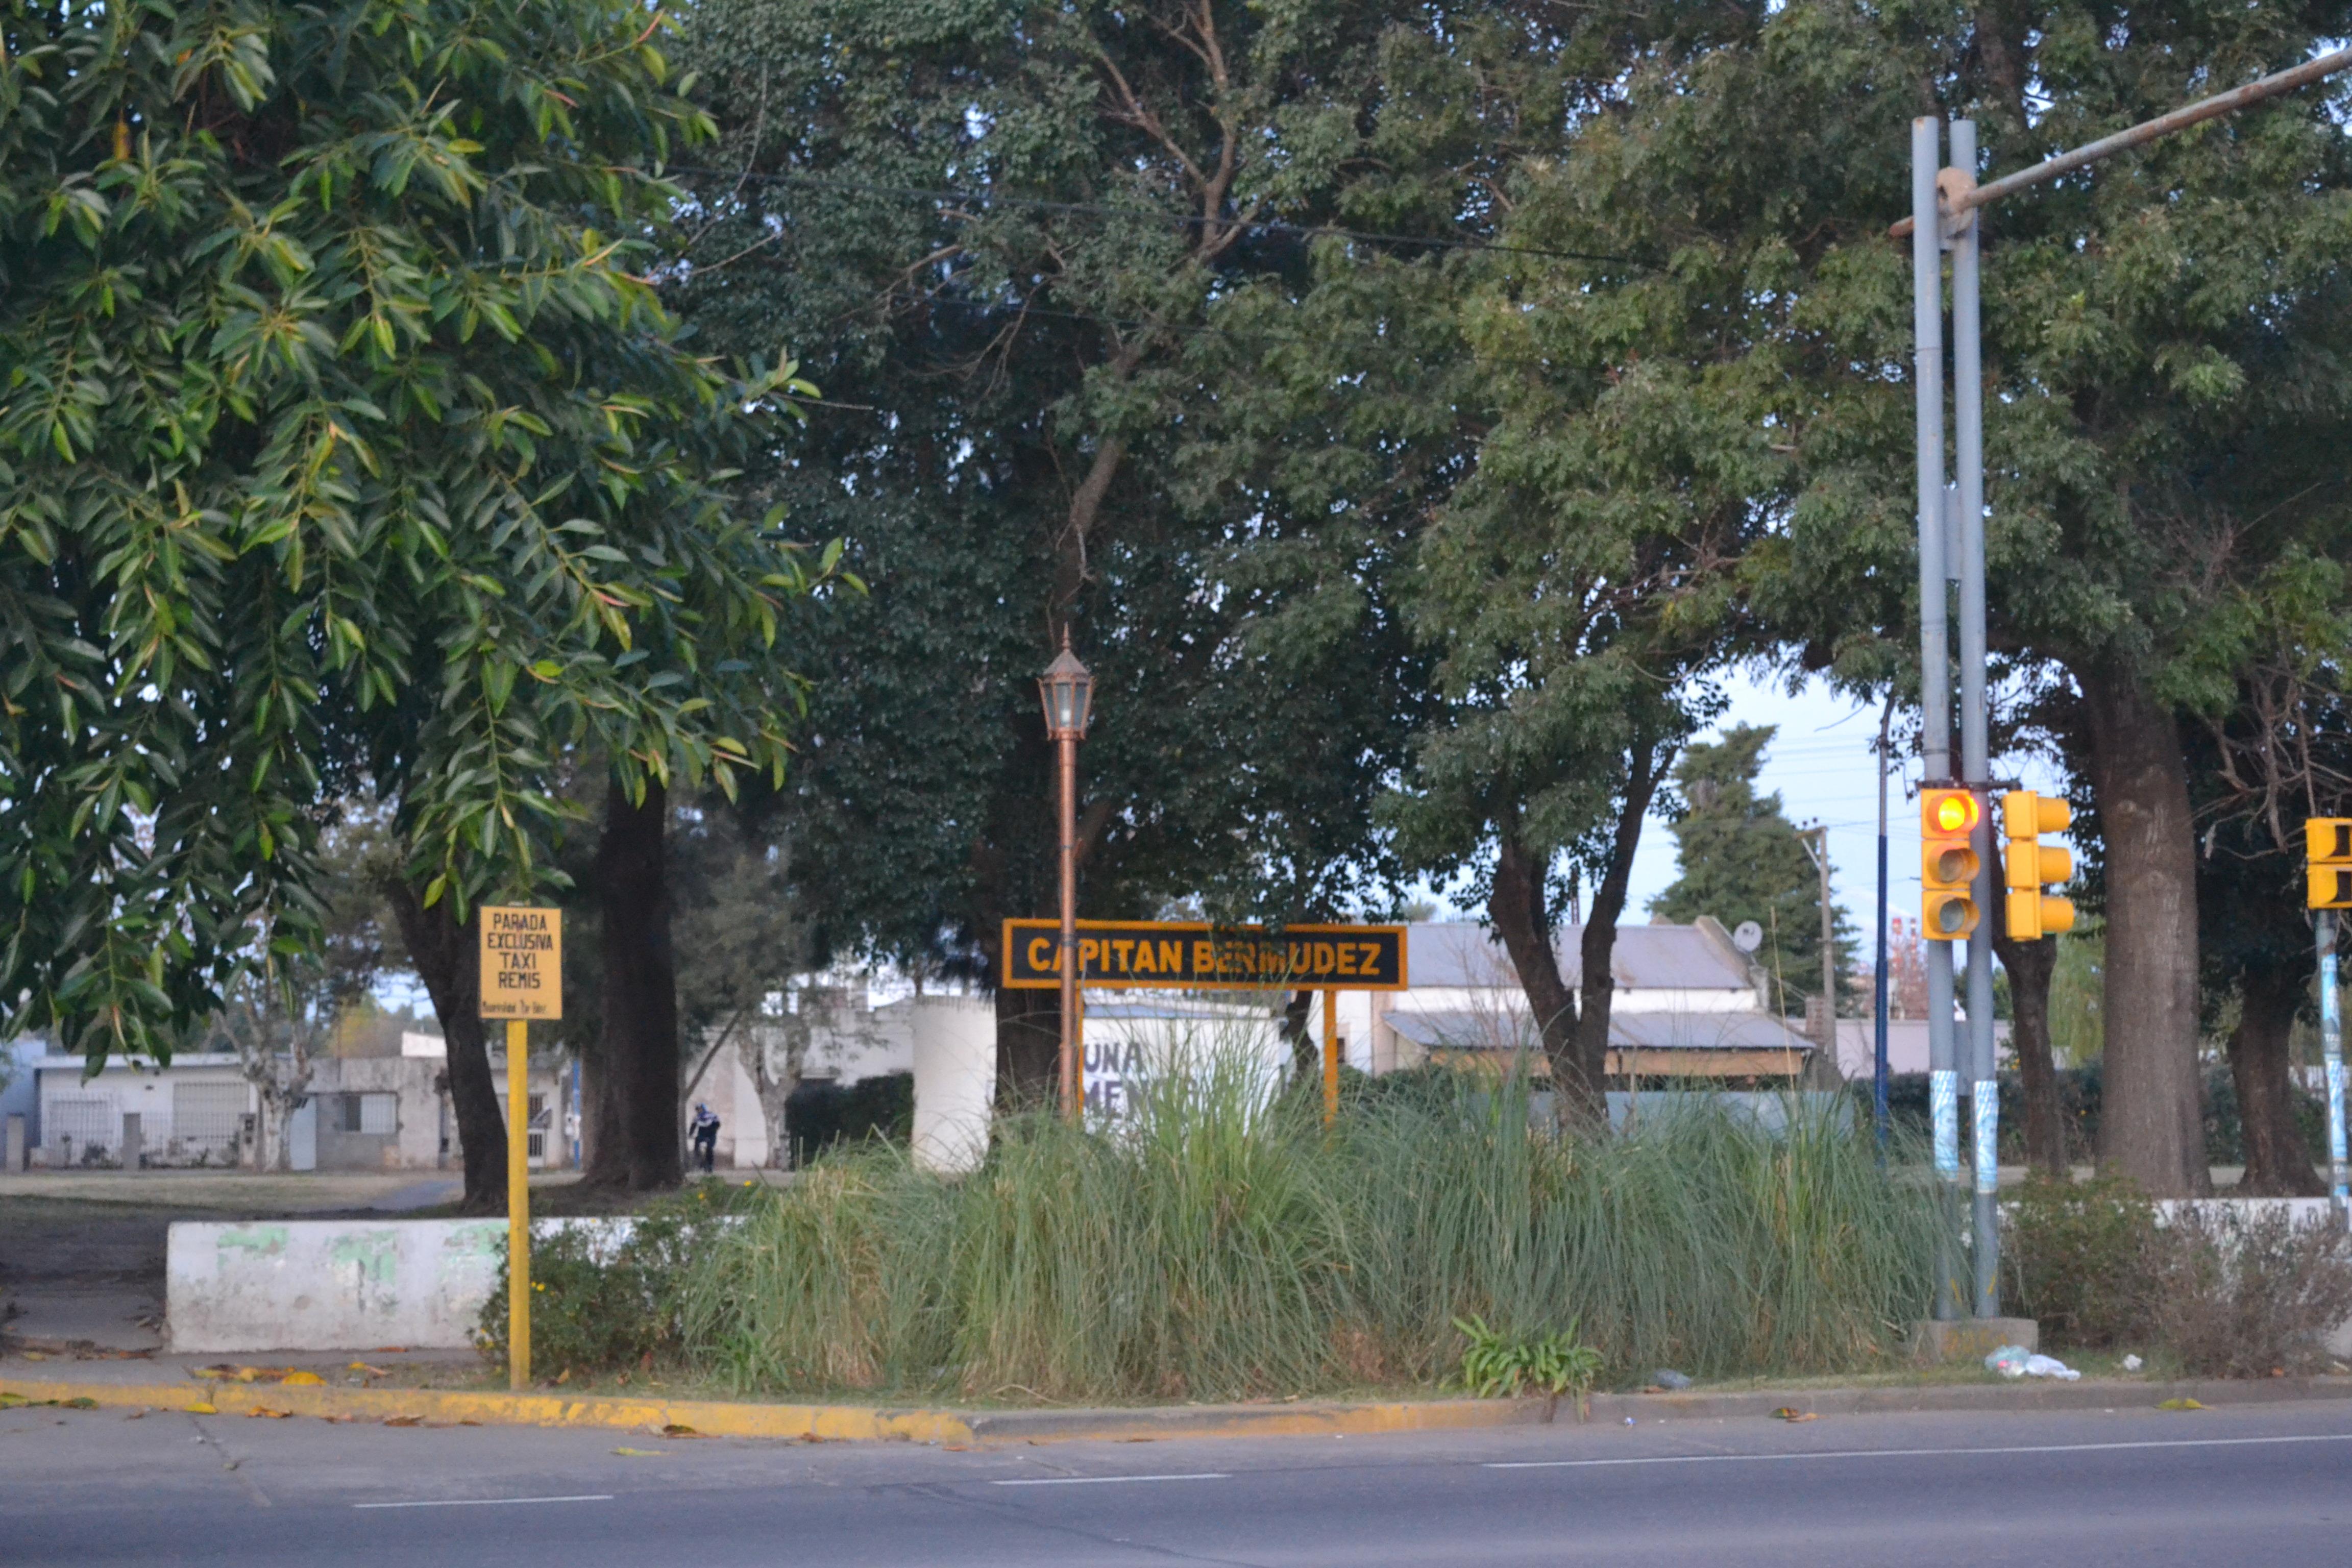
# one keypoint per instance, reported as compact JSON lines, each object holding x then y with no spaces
{"x":1816,"y":840}
{"x":1878,"y":984}
{"x":1945,"y":203}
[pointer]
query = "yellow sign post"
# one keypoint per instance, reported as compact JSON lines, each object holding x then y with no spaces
{"x":523,"y":978}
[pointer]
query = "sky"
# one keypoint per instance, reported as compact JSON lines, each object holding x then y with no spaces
{"x":1822,"y":766}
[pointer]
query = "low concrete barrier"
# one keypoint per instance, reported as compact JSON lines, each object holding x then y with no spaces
{"x":334,"y":1285}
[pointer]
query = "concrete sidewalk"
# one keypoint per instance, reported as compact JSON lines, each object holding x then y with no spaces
{"x":169,"y":1381}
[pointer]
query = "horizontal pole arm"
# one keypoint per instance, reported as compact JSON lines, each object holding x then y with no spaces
{"x":2148,"y":131}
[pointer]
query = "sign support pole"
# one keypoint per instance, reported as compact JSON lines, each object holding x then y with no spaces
{"x":518,"y":1204}
{"x":521,"y":979}
{"x":1330,"y":1058}
{"x":2331,"y":1047}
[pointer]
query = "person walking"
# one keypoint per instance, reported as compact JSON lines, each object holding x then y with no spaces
{"x":702,"y":1135}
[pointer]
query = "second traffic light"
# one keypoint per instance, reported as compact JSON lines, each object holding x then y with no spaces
{"x":1947,"y":864}
{"x":2031,"y":914}
{"x":2328,"y":847}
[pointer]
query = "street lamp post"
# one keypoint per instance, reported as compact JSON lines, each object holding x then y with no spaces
{"x":1066,"y":688}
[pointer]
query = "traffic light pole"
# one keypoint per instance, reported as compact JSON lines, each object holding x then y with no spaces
{"x":1925,"y":227}
{"x":2331,"y":1049}
{"x":1935,"y":665}
{"x":1975,"y":762}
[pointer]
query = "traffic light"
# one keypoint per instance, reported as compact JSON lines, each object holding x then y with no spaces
{"x":2328,"y":845}
{"x":2031,"y":865}
{"x":1947,"y":864}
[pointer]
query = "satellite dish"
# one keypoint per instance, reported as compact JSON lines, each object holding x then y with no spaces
{"x":1749,"y":937}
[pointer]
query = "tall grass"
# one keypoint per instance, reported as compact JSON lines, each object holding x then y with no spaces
{"x":1224,"y":1244}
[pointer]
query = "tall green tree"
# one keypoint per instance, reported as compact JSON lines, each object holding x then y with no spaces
{"x":1738,"y":858}
{"x":999,"y":233}
{"x":342,"y":434}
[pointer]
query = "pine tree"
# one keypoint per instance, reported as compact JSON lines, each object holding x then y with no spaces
{"x":1741,"y":859}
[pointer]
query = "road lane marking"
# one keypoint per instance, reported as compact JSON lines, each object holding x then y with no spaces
{"x":488,"y":1501}
{"x":1108,"y":1480}
{"x":1911,"y":1453}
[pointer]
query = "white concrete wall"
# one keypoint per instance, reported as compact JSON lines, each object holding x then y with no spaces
{"x":337,"y":1285}
{"x":954,"y":1051}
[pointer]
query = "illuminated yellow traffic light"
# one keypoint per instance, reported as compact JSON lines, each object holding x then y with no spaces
{"x":2328,"y":845}
{"x":1947,"y":864}
{"x":2031,"y":865}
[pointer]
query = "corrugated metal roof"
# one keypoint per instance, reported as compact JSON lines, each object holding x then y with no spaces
{"x":1451,"y":1030}
{"x":1464,"y":955}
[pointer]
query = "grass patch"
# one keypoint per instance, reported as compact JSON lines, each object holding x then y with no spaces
{"x":1227,"y":1247}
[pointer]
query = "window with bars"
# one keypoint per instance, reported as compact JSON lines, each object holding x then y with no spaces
{"x":375,"y":1114}
{"x":89,"y":1121}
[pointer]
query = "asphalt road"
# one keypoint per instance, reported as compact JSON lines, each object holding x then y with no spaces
{"x":2268,"y":1484}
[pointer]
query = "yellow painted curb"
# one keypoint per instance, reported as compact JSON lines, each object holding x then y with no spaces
{"x":713,"y":1418}
{"x":1304,"y":1420}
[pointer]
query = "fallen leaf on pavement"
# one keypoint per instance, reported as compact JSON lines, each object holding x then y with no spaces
{"x":201,"y":1408}
{"x":136,"y":1416}
{"x":2180,"y":1405}
{"x":363,"y":1367}
{"x":1790,"y":1413}
{"x":302,"y":1380}
{"x":35,"y":1355}
{"x":10,"y":1401}
{"x":675,"y":1430}
{"x":639,"y":1453}
{"x":403,"y":1420}
{"x":261,"y":1413}
{"x":81,"y":1402}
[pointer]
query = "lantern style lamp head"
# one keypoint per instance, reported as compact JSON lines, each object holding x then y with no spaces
{"x":1068,"y":691}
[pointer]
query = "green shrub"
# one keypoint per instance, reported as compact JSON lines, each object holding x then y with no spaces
{"x":821,"y":1114}
{"x":2081,"y":1258}
{"x":1496,"y":1367}
{"x":599,"y":1305}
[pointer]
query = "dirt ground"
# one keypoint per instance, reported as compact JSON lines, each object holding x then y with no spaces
{"x":81,"y":1253}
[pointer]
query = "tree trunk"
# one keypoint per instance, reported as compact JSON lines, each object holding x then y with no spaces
{"x":448,"y":959}
{"x":773,"y":1051}
{"x":1028,"y":1048}
{"x":2278,"y":1162}
{"x":1519,"y":909}
{"x":2151,"y":1122}
{"x":603,"y":1151}
{"x":2029,"y":965}
{"x":1306,"y":1052}
{"x":1597,"y":945}
{"x":640,"y":1044}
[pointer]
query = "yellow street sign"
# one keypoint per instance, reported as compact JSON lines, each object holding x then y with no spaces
{"x":1189,"y":955}
{"x":522,"y":962}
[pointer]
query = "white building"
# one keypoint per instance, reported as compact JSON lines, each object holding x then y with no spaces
{"x":200,"y":1110}
{"x":1688,"y":1003}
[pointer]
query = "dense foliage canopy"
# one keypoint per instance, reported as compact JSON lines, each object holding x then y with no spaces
{"x":341,"y":432}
